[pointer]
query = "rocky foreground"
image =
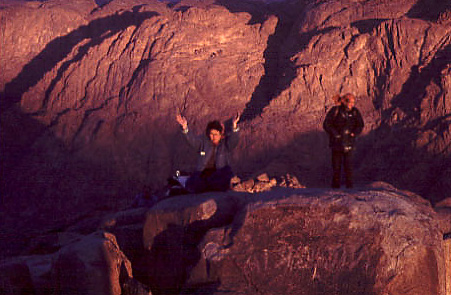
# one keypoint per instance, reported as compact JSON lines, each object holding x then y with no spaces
{"x":374,"y":240}
{"x":88,"y":98}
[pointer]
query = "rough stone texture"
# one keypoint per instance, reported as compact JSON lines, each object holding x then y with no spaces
{"x":93,"y":265}
{"x":171,"y":233}
{"x":398,"y":67}
{"x":443,"y":210}
{"x":374,"y":240}
{"x":89,"y":95}
{"x":88,"y":103}
{"x":311,"y":242}
{"x":447,"y":248}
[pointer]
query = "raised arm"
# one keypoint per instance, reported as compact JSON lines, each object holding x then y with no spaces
{"x":182,"y":121}
{"x":233,"y":138}
{"x":193,"y":140}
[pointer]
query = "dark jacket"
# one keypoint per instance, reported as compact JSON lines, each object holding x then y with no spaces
{"x":340,"y":124}
{"x":204,"y":148}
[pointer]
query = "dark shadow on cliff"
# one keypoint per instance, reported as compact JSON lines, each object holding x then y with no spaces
{"x":390,"y":154}
{"x":393,"y":151}
{"x":306,"y":156}
{"x":366,"y":26}
{"x":387,"y":153}
{"x":40,"y":177}
{"x":270,"y":85}
{"x":58,"y":49}
{"x":45,"y":187}
{"x":102,"y":2}
{"x":414,"y":89}
{"x":430,"y":10}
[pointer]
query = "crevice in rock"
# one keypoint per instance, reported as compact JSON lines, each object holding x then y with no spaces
{"x":366,"y":26}
{"x":413,"y":90}
{"x":274,"y":79}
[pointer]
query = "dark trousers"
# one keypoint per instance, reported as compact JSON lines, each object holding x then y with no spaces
{"x":341,"y":159}
{"x":218,"y":180}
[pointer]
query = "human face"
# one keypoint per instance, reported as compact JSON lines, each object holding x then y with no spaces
{"x":348,"y":101}
{"x":215,"y":136}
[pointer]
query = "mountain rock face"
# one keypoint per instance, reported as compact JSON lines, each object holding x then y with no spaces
{"x":373,"y":240}
{"x":89,"y":95}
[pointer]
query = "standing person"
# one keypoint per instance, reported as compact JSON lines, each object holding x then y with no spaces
{"x":343,"y":123}
{"x":214,"y":150}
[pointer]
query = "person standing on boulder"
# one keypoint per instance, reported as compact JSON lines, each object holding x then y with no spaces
{"x":343,"y":124}
{"x":214,"y":149}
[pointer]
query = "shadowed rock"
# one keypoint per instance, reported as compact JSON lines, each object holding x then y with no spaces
{"x":374,"y":240}
{"x":89,"y":94}
{"x":312,"y":242}
{"x":94,"y":265}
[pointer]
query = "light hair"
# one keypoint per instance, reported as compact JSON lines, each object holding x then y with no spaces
{"x":338,"y":100}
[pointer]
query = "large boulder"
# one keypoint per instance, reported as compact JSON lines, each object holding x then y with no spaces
{"x":171,"y":233}
{"x":94,"y":265}
{"x":372,"y":241}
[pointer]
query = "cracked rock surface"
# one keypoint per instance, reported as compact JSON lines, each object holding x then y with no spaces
{"x":88,"y":98}
{"x":373,"y":240}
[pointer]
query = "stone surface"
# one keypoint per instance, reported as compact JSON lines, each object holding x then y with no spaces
{"x":93,"y":265}
{"x":89,"y":94}
{"x":374,"y":240}
{"x":315,"y":242}
{"x":443,"y":209}
{"x":172,"y":230}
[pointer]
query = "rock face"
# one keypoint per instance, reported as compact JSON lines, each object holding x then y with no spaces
{"x":92,"y":265}
{"x":397,"y":66}
{"x":376,"y":240}
{"x":89,"y":94}
{"x":311,"y":245}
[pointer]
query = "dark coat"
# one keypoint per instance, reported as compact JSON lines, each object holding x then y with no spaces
{"x":343,"y":126}
{"x":204,"y":148}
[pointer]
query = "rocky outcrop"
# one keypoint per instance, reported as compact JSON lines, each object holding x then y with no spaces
{"x":374,"y":240}
{"x":89,"y":94}
{"x":311,"y":244}
{"x":92,"y":265}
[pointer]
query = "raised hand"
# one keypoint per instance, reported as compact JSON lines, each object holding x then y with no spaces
{"x":182,"y":121}
{"x":235,"y":121}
